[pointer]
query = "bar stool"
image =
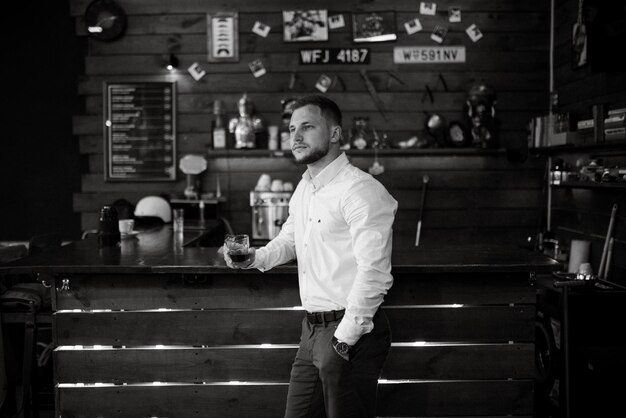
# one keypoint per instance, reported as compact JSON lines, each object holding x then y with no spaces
{"x":20,"y":305}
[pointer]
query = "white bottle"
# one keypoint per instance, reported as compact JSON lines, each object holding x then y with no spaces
{"x":272,"y":143}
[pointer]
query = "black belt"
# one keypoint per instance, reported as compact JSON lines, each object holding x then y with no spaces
{"x":323,"y":317}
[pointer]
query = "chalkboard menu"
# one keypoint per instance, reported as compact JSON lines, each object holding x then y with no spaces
{"x":140,"y":131}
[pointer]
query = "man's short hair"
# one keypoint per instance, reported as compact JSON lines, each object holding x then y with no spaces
{"x":329,"y":109}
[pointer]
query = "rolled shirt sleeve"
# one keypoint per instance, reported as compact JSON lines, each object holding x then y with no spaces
{"x":369,"y":211}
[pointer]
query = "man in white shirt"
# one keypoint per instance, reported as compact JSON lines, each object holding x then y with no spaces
{"x":340,"y":230}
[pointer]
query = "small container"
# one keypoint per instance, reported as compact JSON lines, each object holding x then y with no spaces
{"x":273,"y":139}
{"x":108,"y":230}
{"x":237,"y":247}
{"x":179,"y":219}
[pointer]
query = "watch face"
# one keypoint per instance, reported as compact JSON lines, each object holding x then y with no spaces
{"x":341,"y":347}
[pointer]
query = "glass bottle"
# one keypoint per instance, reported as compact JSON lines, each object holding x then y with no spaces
{"x":108,"y":230}
{"x":361,"y":136}
{"x":219,"y":128}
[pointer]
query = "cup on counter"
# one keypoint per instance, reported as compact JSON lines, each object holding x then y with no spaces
{"x":276,"y":186}
{"x":178,"y":218}
{"x":237,"y":247}
{"x":126,"y":226}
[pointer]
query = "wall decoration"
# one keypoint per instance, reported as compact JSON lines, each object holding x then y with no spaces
{"x":257,"y":68}
{"x":196,"y":71}
{"x":413,"y":26}
{"x":428,"y":54}
{"x":474,"y":33}
{"x":305,"y":25}
{"x":579,"y":39}
{"x":335,"y":56}
{"x":105,"y":20}
{"x":336,"y":22}
{"x":454,"y":14}
{"x":374,"y":27}
{"x":323,"y":83}
{"x":261,"y":29}
{"x":140,"y":131}
{"x":439,"y":33}
{"x":428,"y":8}
{"x":223,"y":37}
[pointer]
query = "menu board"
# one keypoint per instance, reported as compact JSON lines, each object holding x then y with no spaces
{"x":140,"y":131}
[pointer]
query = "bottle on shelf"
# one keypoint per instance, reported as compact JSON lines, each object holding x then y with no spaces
{"x":361,"y":135}
{"x":219,"y":127}
{"x":273,"y":137}
{"x":284,"y":135}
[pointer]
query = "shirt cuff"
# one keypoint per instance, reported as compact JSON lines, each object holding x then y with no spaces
{"x":259,"y":260}
{"x":349,"y":333}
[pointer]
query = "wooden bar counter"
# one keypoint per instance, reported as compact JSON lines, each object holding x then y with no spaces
{"x":155,"y":328}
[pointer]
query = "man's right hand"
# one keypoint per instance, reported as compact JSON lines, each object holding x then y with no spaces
{"x":238,"y":265}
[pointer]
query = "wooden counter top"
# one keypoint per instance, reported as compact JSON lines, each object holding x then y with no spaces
{"x":163,"y":251}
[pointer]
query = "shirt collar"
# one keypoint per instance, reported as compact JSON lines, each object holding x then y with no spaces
{"x":328,"y":173}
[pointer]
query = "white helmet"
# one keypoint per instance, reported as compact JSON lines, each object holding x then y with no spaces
{"x":154,"y":206}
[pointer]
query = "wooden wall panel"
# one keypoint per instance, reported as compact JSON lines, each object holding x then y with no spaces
{"x":282,"y":326}
{"x":511,"y":57}
{"x":462,"y":344}
{"x":249,"y":363}
{"x":475,"y":398}
{"x":117,"y":292}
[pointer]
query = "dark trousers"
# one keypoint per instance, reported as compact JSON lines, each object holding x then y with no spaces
{"x":323,"y":384}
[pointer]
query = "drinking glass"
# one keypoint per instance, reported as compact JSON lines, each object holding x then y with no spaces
{"x":237,"y":247}
{"x":179,"y":219}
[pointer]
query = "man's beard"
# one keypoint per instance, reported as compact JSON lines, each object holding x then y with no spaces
{"x":314,"y":156}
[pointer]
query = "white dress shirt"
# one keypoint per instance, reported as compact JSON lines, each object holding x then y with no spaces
{"x":340,"y":231}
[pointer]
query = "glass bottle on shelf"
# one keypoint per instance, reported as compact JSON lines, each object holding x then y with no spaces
{"x":361,"y":135}
{"x":219,"y":128}
{"x":284,"y":135}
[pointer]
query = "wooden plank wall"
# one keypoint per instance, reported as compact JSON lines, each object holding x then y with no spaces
{"x":585,"y":213}
{"x":222,"y":345}
{"x":475,"y":198}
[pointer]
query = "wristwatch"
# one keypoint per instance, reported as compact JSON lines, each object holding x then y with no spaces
{"x":340,"y":347}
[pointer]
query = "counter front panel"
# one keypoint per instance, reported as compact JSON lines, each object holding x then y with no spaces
{"x":222,"y":344}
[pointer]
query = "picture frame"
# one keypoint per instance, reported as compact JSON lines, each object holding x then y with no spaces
{"x":374,"y":26}
{"x":223,"y":36}
{"x":305,"y":25}
{"x":140,"y":145}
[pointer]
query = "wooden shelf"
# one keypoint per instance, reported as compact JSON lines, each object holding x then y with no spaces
{"x":589,"y":185}
{"x":570,"y":148}
{"x":392,"y":152}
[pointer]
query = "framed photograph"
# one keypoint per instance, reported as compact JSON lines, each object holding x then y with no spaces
{"x":305,"y":25}
{"x":374,"y":26}
{"x":223,"y":36}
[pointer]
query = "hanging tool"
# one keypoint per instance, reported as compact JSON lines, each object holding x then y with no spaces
{"x":425,"y":180}
{"x":430,"y":94}
{"x":429,"y":91}
{"x":608,"y":258}
{"x":609,"y":235}
{"x":391,"y":75}
{"x":372,"y":91}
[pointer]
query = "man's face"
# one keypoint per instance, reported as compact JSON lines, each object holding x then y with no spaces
{"x":310,"y":134}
